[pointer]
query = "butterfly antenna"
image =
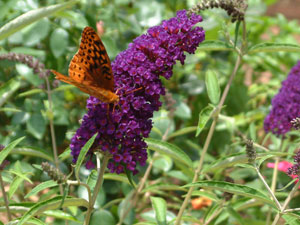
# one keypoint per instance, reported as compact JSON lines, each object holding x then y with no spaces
{"x":137,"y":89}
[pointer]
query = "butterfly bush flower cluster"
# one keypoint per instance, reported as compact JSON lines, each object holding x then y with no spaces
{"x":285,"y":105}
{"x":150,"y":55}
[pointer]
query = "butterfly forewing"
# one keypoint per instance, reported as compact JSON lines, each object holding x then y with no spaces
{"x":92,"y":58}
{"x":90,"y":69}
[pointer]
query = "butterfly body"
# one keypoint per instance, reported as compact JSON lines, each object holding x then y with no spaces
{"x":90,"y":69}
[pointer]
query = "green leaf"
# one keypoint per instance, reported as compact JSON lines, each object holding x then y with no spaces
{"x":40,"y":187}
{"x":160,"y":207}
{"x":291,"y":218}
{"x":7,"y":89}
{"x":104,"y":216}
{"x":17,"y":181}
{"x":235,"y":215}
{"x":12,"y":110}
{"x":32,"y":151}
{"x":4,"y":153}
{"x":30,"y":92}
{"x":59,"y":41}
{"x":116,"y":177}
{"x":182,"y":131}
{"x":66,"y":154}
{"x":50,"y":204}
{"x":204,"y":116}
{"x":235,"y":159}
{"x":274,"y":47}
{"x":61,"y":215}
{"x":237,"y":189}
{"x":207,"y":194}
{"x":129,"y":177}
{"x":83,"y":152}
{"x":36,"y":125}
{"x":20,"y":174}
{"x":170,"y":150}
{"x":30,"y":17}
{"x":214,"y":45}
{"x":168,"y":187}
{"x":212,"y":86}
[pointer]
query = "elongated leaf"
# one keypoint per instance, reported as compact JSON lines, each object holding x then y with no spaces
{"x":13,"y":110}
{"x":50,"y":204}
{"x":32,"y":151}
{"x":30,"y":92}
{"x":66,"y":154}
{"x":40,"y":187}
{"x":116,"y":177}
{"x":169,"y":187}
{"x":182,"y":131}
{"x":17,"y":181}
{"x":235,"y":215}
{"x":7,"y":90}
{"x":19,"y":174}
{"x":214,"y":45}
{"x":204,"y":116}
{"x":61,"y":215}
{"x":274,"y":47}
{"x":234,"y":189}
{"x":169,"y":149}
{"x":212,"y":86}
{"x":160,"y":208}
{"x":207,"y":194}
{"x":30,"y":17}
{"x":83,"y":152}
{"x":239,"y":158}
{"x":9,"y":148}
{"x":292,"y":218}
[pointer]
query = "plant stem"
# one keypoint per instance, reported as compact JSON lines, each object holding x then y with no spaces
{"x":52,"y":131}
{"x":5,"y":198}
{"x":285,"y":204}
{"x":271,"y":192}
{"x":97,"y":187}
{"x":208,"y":139}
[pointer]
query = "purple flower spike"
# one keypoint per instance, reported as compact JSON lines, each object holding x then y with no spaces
{"x":122,"y":132}
{"x":285,"y":105}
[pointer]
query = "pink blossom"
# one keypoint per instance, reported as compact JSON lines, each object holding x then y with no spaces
{"x":283,"y":166}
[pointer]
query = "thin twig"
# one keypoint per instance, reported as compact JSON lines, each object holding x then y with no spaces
{"x":97,"y":187}
{"x":285,"y":204}
{"x":5,"y":198}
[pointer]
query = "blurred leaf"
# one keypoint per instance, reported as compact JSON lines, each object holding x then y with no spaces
{"x":9,"y":148}
{"x":207,"y":194}
{"x":36,"y":125}
{"x":59,"y":41}
{"x":13,"y":187}
{"x":274,"y":47}
{"x":183,"y":111}
{"x":13,"y":110}
{"x":36,"y":32}
{"x":116,"y":177}
{"x":234,"y":189}
{"x":52,"y":203}
{"x":40,"y":187}
{"x":168,"y":187}
{"x":236,"y":215}
{"x":169,"y":149}
{"x":29,"y":51}
{"x":163,"y":162}
{"x":66,"y":154}
{"x":83,"y":152}
{"x":61,"y":215}
{"x":33,"y":151}
{"x":8,"y":88}
{"x":104,"y":216}
{"x":239,"y":158}
{"x":291,"y":218}
{"x":212,"y":86}
{"x":20,"y":174}
{"x":182,"y":131}
{"x":214,"y":45}
{"x":204,"y":116}
{"x":160,"y":208}
{"x":30,"y":92}
{"x":30,"y":17}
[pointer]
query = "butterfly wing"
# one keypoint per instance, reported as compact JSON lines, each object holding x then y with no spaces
{"x":91,"y":64}
{"x":98,"y":92}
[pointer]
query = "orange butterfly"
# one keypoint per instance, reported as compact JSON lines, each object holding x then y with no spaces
{"x":90,"y":69}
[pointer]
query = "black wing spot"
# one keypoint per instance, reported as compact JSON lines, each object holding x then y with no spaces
{"x":88,"y":57}
{"x":89,"y":51}
{"x":90,"y":40}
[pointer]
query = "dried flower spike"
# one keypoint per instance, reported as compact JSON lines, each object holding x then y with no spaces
{"x":296,"y":123}
{"x":54,"y":173}
{"x":251,"y":153}
{"x":295,"y":169}
{"x":234,"y":8}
